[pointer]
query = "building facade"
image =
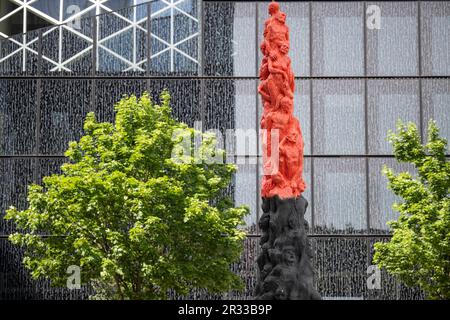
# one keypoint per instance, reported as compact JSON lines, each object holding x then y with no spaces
{"x":359,"y":66}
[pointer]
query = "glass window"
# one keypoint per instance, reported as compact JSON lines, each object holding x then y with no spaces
{"x":381,"y":198}
{"x":390,"y":101}
{"x":339,"y":195}
{"x":393,"y":49}
{"x":246,"y":193}
{"x":341,"y":267}
{"x":435,"y":33}
{"x":246,"y":134}
{"x":436,"y":105}
{"x":298,"y":22}
{"x":337,"y":39}
{"x":307,"y":193}
{"x":17,"y":117}
{"x":66,"y":49}
{"x":109,"y":92}
{"x":15,"y":176}
{"x":229,"y":39}
{"x":338,"y":109}
{"x":11,"y":55}
{"x":62,"y":116}
{"x":49,"y":166}
{"x":230,"y":107}
{"x":302,"y":110}
{"x":185,"y":97}
{"x":122,"y":46}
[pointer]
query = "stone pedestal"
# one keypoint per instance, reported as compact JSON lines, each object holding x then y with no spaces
{"x":285,"y":268}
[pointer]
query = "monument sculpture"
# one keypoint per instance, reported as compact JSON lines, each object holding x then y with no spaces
{"x":285,"y":269}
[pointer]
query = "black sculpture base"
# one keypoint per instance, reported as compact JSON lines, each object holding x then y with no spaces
{"x":285,"y":269}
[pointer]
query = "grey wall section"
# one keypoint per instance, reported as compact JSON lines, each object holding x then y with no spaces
{"x":42,"y":110}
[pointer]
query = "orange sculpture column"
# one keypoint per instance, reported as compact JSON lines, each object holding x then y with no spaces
{"x":285,"y":269}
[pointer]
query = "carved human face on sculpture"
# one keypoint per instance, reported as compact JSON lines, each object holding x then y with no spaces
{"x":271,"y":284}
{"x":263,"y":48}
{"x":284,"y":48}
{"x":274,"y":8}
{"x":266,"y":270}
{"x":289,"y":255}
{"x":285,"y":104}
{"x":277,"y":179}
{"x":281,"y":294}
{"x":293,"y":136}
{"x":281,"y":17}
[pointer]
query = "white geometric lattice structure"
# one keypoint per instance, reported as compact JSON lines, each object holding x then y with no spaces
{"x":70,"y":21}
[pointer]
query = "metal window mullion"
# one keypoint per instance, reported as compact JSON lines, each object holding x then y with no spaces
{"x":38,"y":108}
{"x":257,"y":180}
{"x":94,"y":32}
{"x":419,"y":61}
{"x":149,"y":44}
{"x":311,"y":118}
{"x":366,"y":117}
{"x":201,"y":28}
{"x":202,"y":99}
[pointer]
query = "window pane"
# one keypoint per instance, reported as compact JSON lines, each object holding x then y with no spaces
{"x":339,"y":195}
{"x":337,"y":39}
{"x":184,"y":98}
{"x":298,"y":22}
{"x":302,"y":109}
{"x":229,"y":39}
{"x":230,"y":107}
{"x":15,"y":176}
{"x":11,"y":56}
{"x":381,"y":198}
{"x":307,"y":193}
{"x":338,"y":277}
{"x":245,"y":192}
{"x":66,"y":49}
{"x":17,"y":117}
{"x":109,"y":92}
{"x":246,"y":135}
{"x":389,"y":101}
{"x":435,"y":33}
{"x":122,"y":47}
{"x":393,"y":50}
{"x":338,"y":108}
{"x":62,"y":113}
{"x":436,"y":105}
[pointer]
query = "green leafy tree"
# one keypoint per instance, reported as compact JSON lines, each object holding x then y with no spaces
{"x":419,"y":251}
{"x":136,"y":220}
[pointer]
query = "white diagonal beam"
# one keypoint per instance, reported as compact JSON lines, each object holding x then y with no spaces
{"x":11,"y":13}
